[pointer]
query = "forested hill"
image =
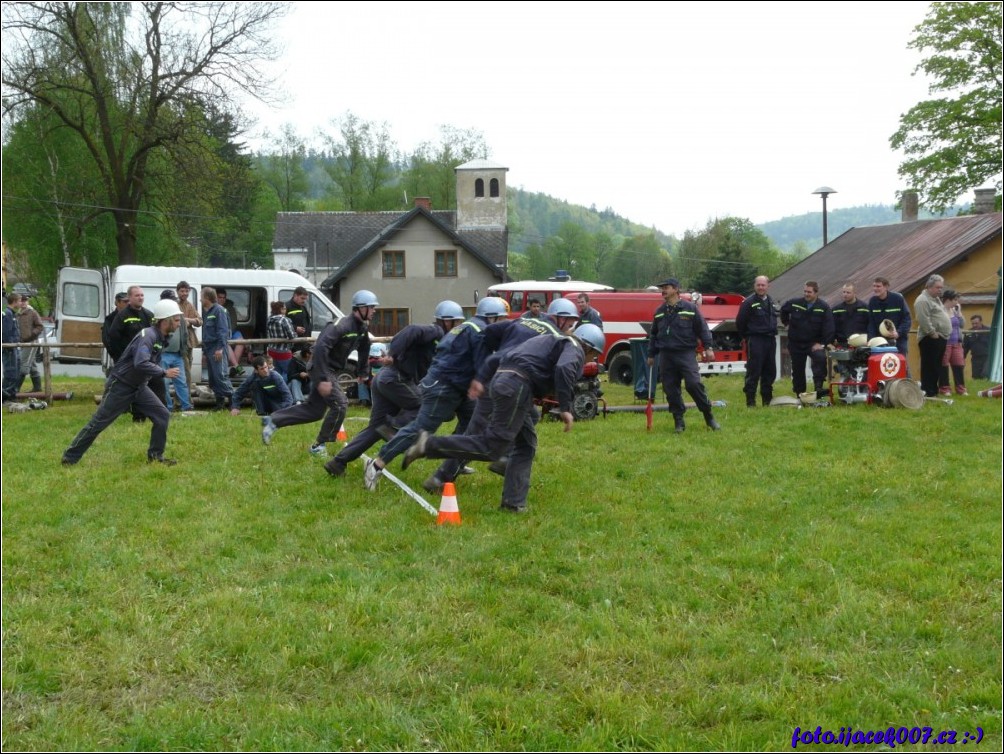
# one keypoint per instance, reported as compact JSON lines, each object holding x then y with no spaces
{"x":535,"y":217}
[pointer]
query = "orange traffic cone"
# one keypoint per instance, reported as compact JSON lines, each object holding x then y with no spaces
{"x":342,"y":437}
{"x":449,"y":513}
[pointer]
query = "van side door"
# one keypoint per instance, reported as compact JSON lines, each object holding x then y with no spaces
{"x":82,"y":302}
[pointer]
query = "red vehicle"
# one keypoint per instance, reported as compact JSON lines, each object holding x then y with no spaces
{"x":628,"y":314}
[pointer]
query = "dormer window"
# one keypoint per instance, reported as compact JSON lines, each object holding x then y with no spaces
{"x":479,"y":187}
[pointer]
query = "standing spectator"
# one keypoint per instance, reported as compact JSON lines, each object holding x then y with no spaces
{"x":121,"y":302}
{"x":850,"y":316}
{"x":587,"y":314}
{"x":541,"y":366}
{"x":30,"y":325}
{"x":810,"y":329}
{"x":534,"y":310}
{"x":677,"y":327}
{"x":395,"y":392}
{"x":127,"y":385}
{"x":756,"y":323}
{"x":267,"y":388}
{"x":215,"y":330}
{"x":886,"y":304}
{"x":299,"y":374}
{"x":977,"y":343}
{"x":331,"y":352}
{"x":299,"y":313}
{"x":174,"y":356}
{"x":11,"y":356}
{"x":933,"y":329}
{"x":954,"y":357}
{"x":234,"y":353}
{"x":445,"y":388}
{"x":128,"y":323}
{"x":280,"y":327}
{"x":190,"y":314}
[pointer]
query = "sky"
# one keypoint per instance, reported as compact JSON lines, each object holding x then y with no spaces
{"x":670,"y":114}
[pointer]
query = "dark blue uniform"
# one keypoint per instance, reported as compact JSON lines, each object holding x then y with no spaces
{"x":894,"y":308}
{"x":756,"y":323}
{"x":541,"y":366}
{"x":269,"y":394}
{"x":850,"y":319}
{"x":331,"y":353}
{"x":127,"y":385}
{"x":676,"y":331}
{"x":809,"y":324}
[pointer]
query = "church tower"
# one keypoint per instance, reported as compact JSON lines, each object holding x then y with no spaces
{"x":481,"y":196}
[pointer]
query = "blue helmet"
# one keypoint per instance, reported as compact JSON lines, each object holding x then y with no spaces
{"x":591,"y":336}
{"x":491,"y":306}
{"x":364,"y":298}
{"x":449,"y":310}
{"x":562,"y":307}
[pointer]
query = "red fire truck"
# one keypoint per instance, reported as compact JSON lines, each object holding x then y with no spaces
{"x":628,"y":314}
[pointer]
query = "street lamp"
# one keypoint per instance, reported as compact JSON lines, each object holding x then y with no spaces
{"x":824,"y":191}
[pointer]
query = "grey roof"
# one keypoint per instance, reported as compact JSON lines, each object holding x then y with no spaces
{"x":481,"y":165}
{"x":905,"y":253}
{"x":343,"y":239}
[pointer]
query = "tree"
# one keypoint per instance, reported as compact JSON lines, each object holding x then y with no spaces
{"x":282,"y":169}
{"x":724,"y":257}
{"x":432,"y":167}
{"x":953,"y":143}
{"x":132,"y":80}
{"x":363,"y":165}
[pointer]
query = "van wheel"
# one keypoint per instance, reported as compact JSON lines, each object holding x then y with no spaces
{"x":620,"y":369}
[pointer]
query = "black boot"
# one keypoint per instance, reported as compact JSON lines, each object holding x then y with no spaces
{"x":709,"y":419}
{"x":36,"y":383}
{"x":680,"y":426}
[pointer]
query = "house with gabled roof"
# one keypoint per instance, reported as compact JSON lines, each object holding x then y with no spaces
{"x":411,"y":260}
{"x":965,"y":250}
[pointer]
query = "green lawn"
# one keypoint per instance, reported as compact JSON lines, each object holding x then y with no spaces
{"x":824,"y":567}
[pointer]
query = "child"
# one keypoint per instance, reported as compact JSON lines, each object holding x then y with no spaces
{"x":299,"y":374}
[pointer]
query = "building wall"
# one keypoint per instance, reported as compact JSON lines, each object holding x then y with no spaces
{"x":486,"y":211}
{"x":420,"y":290}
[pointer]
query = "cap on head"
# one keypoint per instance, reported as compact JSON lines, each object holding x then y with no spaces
{"x":491,"y":306}
{"x":364,"y":298}
{"x":669,"y":281}
{"x":562,"y":307}
{"x":121,"y":296}
{"x":166,"y":308}
{"x":592,"y":336}
{"x":168,"y":293}
{"x":449,"y":310}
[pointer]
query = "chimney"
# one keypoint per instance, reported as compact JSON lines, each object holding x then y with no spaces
{"x":908,"y":203}
{"x":424,"y":202}
{"x":984,"y":202}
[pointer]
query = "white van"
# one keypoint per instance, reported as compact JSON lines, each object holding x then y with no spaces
{"x":84,"y":297}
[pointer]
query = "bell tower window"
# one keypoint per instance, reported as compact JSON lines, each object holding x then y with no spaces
{"x":479,"y":187}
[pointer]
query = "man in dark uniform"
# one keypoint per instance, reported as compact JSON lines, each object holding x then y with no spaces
{"x":977,"y":342}
{"x":395,"y":392}
{"x":587,"y":314}
{"x":810,"y":328}
{"x":886,"y":304}
{"x":127,"y":385}
{"x":541,"y":366}
{"x":130,"y":321}
{"x":756,"y":323}
{"x":121,"y":302}
{"x":677,"y":326}
{"x":445,"y":389}
{"x":498,"y":338}
{"x":331,"y":352}
{"x":850,"y":316}
{"x":299,"y":313}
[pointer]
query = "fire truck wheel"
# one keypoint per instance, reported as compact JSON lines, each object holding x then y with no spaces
{"x":584,"y":406}
{"x":620,"y":369}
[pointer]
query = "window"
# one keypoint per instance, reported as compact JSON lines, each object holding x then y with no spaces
{"x":393,"y":264}
{"x":479,"y":187}
{"x":516,"y":301}
{"x":446,"y":264}
{"x":387,"y":322}
{"x":495,"y":187}
{"x":80,"y":300}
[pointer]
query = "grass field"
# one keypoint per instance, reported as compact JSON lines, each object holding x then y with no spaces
{"x":827,"y":567}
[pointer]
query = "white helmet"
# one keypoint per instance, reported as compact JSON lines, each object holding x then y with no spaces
{"x":591,"y":336}
{"x":562,"y":307}
{"x":888,"y":329}
{"x":857,"y":340}
{"x":165,"y":309}
{"x":364,"y":298}
{"x":877,"y":342}
{"x":491,"y":306}
{"x":449,"y":310}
